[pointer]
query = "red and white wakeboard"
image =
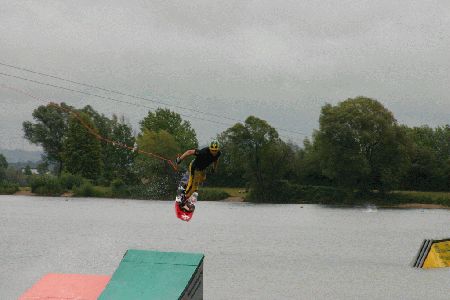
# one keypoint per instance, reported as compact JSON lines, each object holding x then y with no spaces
{"x":181,"y":214}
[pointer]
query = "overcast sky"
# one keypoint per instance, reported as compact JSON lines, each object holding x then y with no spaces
{"x":278,"y":60}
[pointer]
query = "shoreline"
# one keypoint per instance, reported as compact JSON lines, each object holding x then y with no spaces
{"x":412,"y":205}
{"x":421,"y":205}
{"x":234,"y":199}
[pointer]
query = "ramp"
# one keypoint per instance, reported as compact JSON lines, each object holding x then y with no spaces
{"x":67,"y":287}
{"x":433,"y":254}
{"x":157,"y":275}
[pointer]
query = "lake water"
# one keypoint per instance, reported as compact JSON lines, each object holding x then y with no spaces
{"x":251,"y":251}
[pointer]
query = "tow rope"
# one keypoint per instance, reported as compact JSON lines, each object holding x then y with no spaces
{"x":92,"y":131}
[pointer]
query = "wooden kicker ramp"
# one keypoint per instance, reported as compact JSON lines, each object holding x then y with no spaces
{"x":140,"y":275}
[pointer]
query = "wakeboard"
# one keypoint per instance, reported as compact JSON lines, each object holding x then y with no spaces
{"x":182,"y":214}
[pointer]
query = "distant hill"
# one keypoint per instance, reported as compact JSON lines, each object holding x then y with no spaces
{"x":14,"y":156}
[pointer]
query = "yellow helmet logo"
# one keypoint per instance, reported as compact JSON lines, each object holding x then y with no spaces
{"x":214,"y":146}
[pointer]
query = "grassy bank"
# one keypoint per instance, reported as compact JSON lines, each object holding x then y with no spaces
{"x":290,"y":193}
{"x":205,"y":194}
{"x":431,"y":195}
{"x":232,"y":192}
{"x":215,"y":194}
{"x":392,"y":199}
{"x":327,"y":195}
{"x":405,"y":197}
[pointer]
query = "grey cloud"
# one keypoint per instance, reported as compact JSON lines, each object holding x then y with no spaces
{"x":278,"y":60}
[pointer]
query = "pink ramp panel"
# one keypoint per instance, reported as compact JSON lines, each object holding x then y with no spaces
{"x":67,"y":286}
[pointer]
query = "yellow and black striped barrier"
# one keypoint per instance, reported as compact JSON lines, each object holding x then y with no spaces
{"x":433,"y":254}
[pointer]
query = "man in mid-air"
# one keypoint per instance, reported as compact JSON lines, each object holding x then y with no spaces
{"x":203,"y":158}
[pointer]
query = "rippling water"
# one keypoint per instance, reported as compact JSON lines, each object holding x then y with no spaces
{"x":252,"y":251}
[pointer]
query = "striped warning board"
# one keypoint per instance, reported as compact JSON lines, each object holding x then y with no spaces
{"x":433,"y":254}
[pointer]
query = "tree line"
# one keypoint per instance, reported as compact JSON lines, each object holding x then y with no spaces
{"x":359,"y":148}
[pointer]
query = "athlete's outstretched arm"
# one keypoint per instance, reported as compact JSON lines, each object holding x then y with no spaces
{"x":186,"y":154}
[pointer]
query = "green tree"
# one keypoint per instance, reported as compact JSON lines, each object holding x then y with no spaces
{"x":360,"y":145}
{"x":42,"y":168}
{"x":3,"y":167}
{"x":117,"y":161}
{"x":255,"y":148}
{"x":229,"y":173}
{"x":28,"y":170}
{"x":430,"y":159}
{"x":49,"y":132}
{"x":152,"y":171}
{"x":306,"y":166}
{"x":158,"y":142}
{"x":101,"y":123}
{"x":82,"y":151}
{"x":171,"y":122}
{"x":104,"y":127}
{"x":164,"y":133}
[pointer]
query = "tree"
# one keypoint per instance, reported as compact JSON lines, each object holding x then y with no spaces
{"x":48,"y":131}
{"x":153,"y":172}
{"x":163,"y":132}
{"x":172,"y":123}
{"x":430,"y":159}
{"x":360,"y":145}
{"x":42,"y":168}
{"x":307,"y":165}
{"x":28,"y":170}
{"x":3,"y":168}
{"x":254,"y":149}
{"x":104,"y":127}
{"x":82,"y":150}
{"x":116,"y":160}
{"x":119,"y":161}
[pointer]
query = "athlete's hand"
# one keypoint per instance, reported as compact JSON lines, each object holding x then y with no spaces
{"x":178,"y":160}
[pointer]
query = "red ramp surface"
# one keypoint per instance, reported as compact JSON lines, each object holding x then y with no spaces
{"x":67,"y":287}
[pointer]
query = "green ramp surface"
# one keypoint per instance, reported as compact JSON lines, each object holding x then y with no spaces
{"x":156,"y":275}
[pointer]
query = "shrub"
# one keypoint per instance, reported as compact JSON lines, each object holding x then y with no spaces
{"x":280,"y":191}
{"x":70,"y":181}
{"x":119,"y":189}
{"x":322,"y":195}
{"x":117,"y":184}
{"x":212,"y":195}
{"x":102,"y":181}
{"x":286,"y":192}
{"x":87,"y":189}
{"x":417,"y":197}
{"x":46,"y":185}
{"x":148,"y":192}
{"x":7,"y":188}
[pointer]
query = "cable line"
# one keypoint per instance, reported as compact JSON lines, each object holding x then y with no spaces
{"x":117,"y":100}
{"x":106,"y":98}
{"x":93,"y":131}
{"x":136,"y":97}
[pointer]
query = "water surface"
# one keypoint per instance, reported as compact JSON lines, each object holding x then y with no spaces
{"x":251,"y":251}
